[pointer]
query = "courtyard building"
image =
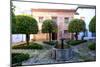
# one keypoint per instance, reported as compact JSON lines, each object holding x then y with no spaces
{"x":61,"y":17}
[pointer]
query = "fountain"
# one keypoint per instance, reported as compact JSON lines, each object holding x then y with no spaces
{"x":62,"y":52}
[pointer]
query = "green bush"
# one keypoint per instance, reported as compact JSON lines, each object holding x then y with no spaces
{"x":60,"y":46}
{"x":75,"y":42}
{"x":92,"y":46}
{"x":19,"y":57}
{"x":76,"y":26}
{"x":31,"y":46}
{"x":50,"y":42}
{"x":92,"y":25}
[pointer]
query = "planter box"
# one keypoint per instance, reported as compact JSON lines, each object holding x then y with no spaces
{"x":62,"y":54}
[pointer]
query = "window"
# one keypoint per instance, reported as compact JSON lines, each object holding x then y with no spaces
{"x":66,"y":20}
{"x":40,"y":19}
{"x":65,"y":31}
{"x":54,"y":19}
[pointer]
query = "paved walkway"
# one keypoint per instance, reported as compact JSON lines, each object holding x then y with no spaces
{"x":84,"y":52}
{"x":81,"y":53}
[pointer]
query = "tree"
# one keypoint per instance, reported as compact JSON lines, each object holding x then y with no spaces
{"x":13,"y":20}
{"x":76,"y":26}
{"x":26,"y":25}
{"x":92,"y":25}
{"x":50,"y":27}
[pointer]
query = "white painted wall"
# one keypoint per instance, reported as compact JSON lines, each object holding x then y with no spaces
{"x":19,"y":37}
{"x":87,"y":14}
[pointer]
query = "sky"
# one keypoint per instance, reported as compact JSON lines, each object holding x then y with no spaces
{"x":92,"y":2}
{"x":24,"y":7}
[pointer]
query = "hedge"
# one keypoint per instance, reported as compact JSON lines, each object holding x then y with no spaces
{"x":92,"y":46}
{"x":75,"y":42}
{"x":31,"y":46}
{"x":19,"y":57}
{"x":50,"y":42}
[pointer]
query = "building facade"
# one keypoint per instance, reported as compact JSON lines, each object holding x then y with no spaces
{"x":62,"y":18}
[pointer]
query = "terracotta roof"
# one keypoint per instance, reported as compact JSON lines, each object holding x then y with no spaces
{"x":54,"y":10}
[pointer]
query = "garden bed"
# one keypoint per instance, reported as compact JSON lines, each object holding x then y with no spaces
{"x":92,"y":46}
{"x":31,"y":46}
{"x":59,"y":46}
{"x":17,"y":58}
{"x":50,"y":42}
{"x":76,"y":42}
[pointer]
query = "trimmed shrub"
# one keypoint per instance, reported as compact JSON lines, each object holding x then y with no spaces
{"x":31,"y":46}
{"x":92,"y":46}
{"x":59,"y":46}
{"x":76,"y":26}
{"x":92,"y":25}
{"x":50,"y":42}
{"x":49,"y":26}
{"x":19,"y":57}
{"x":76,"y":42}
{"x":26,"y":24}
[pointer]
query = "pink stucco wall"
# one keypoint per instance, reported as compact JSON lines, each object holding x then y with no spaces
{"x":49,"y":13}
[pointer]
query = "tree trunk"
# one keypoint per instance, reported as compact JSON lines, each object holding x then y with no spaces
{"x":72,"y":36}
{"x":27,"y":38}
{"x":49,"y":36}
{"x":46,"y":36}
{"x":76,"y":37}
{"x":34,"y":37}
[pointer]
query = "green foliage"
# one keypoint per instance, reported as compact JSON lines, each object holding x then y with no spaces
{"x":92,"y":46}
{"x":13,"y":20}
{"x":26,"y":25}
{"x":31,"y":46}
{"x":50,"y":42}
{"x":76,"y":42}
{"x":60,"y":46}
{"x":92,"y":25}
{"x":76,"y":25}
{"x":49,"y":26}
{"x":19,"y":57}
{"x":13,"y":24}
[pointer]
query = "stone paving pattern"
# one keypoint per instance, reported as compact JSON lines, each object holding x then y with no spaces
{"x":81,"y":53}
